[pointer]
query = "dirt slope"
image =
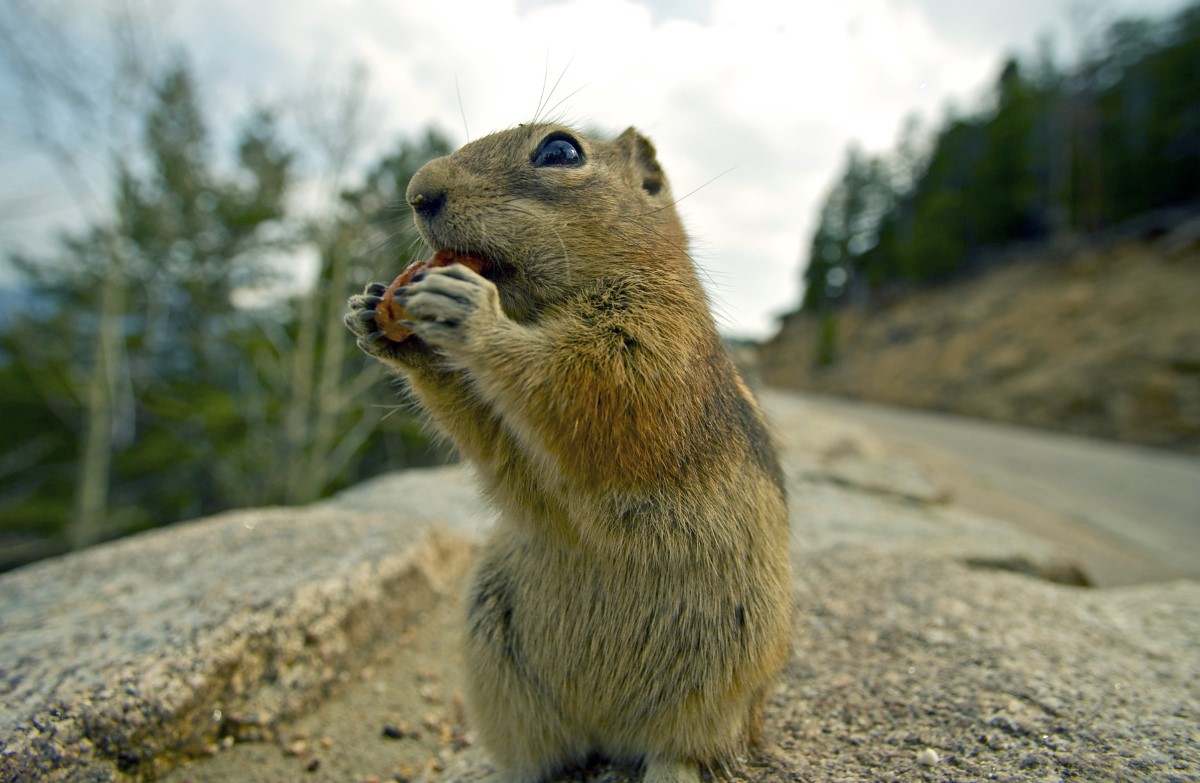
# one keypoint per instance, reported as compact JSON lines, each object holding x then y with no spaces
{"x":1102,"y":342}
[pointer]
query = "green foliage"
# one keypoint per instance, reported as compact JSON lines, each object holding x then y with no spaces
{"x":1115,"y":136}
{"x":850,"y":223}
{"x":209,"y":403}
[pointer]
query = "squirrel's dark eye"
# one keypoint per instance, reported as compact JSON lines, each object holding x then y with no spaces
{"x":558,"y":151}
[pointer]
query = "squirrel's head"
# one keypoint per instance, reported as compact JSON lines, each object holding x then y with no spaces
{"x":550,"y":209}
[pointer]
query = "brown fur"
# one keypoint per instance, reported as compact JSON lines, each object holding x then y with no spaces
{"x":633,"y":599}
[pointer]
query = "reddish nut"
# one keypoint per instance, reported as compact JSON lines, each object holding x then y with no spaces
{"x":389,"y":314}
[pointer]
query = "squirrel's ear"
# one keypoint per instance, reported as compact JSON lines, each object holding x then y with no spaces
{"x":642,"y":157}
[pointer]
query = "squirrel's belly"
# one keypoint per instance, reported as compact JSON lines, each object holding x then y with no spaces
{"x":610,"y":659}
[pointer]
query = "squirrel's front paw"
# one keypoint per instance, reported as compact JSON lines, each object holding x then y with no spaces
{"x":360,"y":319}
{"x":450,"y":304}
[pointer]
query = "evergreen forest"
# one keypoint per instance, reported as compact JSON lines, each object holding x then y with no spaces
{"x":1055,"y":151}
{"x":160,"y":362}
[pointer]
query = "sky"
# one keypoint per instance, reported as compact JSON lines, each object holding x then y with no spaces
{"x":751,"y":104}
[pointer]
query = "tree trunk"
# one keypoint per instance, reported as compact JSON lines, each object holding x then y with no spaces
{"x":328,"y":402}
{"x":88,"y":524}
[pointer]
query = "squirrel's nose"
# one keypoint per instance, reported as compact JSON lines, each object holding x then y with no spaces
{"x":427,"y":202}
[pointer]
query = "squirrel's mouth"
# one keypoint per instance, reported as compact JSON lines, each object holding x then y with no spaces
{"x":488,"y":265}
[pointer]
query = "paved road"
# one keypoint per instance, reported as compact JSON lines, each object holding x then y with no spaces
{"x":1132,"y":514}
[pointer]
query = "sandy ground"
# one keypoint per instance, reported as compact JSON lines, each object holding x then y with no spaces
{"x":395,"y":720}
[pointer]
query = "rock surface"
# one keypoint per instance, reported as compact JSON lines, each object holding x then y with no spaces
{"x":117,"y":661}
{"x":932,"y":643}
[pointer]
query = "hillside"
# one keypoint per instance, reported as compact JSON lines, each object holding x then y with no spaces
{"x":1102,"y":340}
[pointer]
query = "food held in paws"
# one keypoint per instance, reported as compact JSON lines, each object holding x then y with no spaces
{"x":389,"y":313}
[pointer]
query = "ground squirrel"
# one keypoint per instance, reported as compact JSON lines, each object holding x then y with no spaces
{"x":634,"y":597}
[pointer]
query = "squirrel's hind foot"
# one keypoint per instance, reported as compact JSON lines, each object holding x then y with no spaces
{"x":515,"y":775}
{"x":671,"y":772}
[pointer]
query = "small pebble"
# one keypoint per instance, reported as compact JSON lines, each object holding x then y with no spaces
{"x":313,"y":765}
{"x":463,"y":740}
{"x":928,"y":757}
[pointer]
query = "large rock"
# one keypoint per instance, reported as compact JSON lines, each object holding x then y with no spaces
{"x":931,"y":643}
{"x":117,"y":661}
{"x":935,"y":644}
{"x":925,"y":668}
